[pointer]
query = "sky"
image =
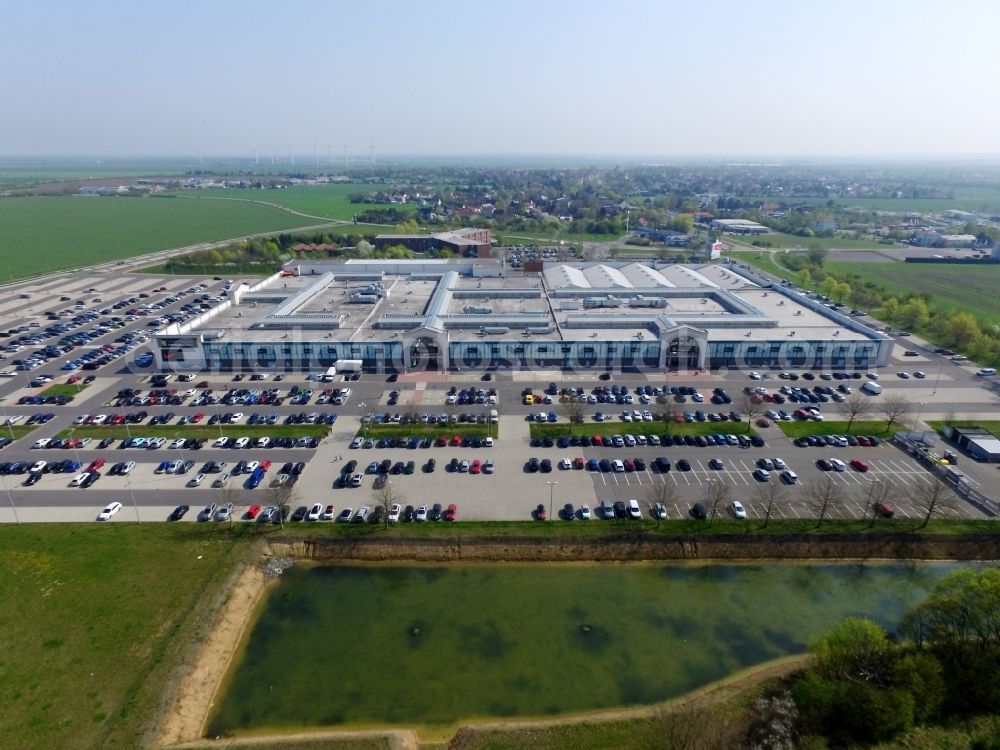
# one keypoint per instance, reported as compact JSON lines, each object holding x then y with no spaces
{"x":724,"y":78}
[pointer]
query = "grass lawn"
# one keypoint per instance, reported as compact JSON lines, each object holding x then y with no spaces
{"x":98,"y":617}
{"x":724,"y":525}
{"x":196,"y":431}
{"x":42,"y":234}
{"x":781,"y":241}
{"x":429,"y":430}
{"x":617,"y":427}
{"x":18,"y":431}
{"x":325,"y":743}
{"x":327,"y":201}
{"x":797,"y":428}
{"x":63,"y":389}
{"x":195,"y":269}
{"x":951,"y":287}
{"x":764,"y":260}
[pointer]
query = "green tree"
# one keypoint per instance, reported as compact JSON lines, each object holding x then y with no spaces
{"x":829,"y":286}
{"x":843,"y":291}
{"x":919,"y":674}
{"x":960,"y":329}
{"x":408,"y":227}
{"x":915,"y":314}
{"x":816,"y":253}
{"x":854,"y":649}
{"x":804,"y":277}
{"x":890,"y":309}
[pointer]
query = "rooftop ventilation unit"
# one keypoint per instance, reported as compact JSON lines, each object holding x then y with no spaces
{"x":477,"y":310}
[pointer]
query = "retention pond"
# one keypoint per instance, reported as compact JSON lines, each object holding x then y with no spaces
{"x":367,"y":645}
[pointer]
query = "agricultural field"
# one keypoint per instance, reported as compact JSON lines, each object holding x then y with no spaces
{"x":952,"y":287}
{"x":43,"y":234}
{"x":327,"y":201}
{"x":966,"y":199}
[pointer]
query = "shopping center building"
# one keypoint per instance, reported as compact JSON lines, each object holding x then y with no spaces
{"x":406,"y":315}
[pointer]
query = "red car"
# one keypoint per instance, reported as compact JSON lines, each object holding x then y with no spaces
{"x":197,"y":418}
{"x":859,"y":465}
{"x":477,"y":467}
{"x":96,"y":464}
{"x":597,"y":440}
{"x":74,"y":379}
{"x":252,"y":511}
{"x":862,"y":440}
{"x":451,"y":512}
{"x":457,"y":440}
{"x":265,"y":465}
{"x":885,"y":510}
{"x":629,"y":464}
{"x":442,"y":441}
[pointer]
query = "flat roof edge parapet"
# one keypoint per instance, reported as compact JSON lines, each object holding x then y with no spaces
{"x":296,"y":301}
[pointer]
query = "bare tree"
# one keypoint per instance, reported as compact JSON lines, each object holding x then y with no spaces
{"x":385,"y":497}
{"x":823,"y":494}
{"x":662,"y":492}
{"x":752,"y":405}
{"x":876,"y":491}
{"x":933,"y":498}
{"x":767,"y":494}
{"x":717,"y":493}
{"x":281,"y":497}
{"x":856,"y":406}
{"x":669,"y":414}
{"x":573,"y":410}
{"x":894,"y":408}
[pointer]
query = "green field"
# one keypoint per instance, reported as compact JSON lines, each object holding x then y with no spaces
{"x":966,"y":199}
{"x":97,"y":618}
{"x":781,"y":241}
{"x":328,"y":201}
{"x":42,"y":234}
{"x":875,"y":427}
{"x":209,"y":432}
{"x":969,"y":289}
{"x":17,"y":431}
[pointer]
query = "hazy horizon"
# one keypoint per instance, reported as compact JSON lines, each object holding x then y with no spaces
{"x":774,"y":82}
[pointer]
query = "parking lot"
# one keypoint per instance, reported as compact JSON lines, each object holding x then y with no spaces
{"x":510,"y":492}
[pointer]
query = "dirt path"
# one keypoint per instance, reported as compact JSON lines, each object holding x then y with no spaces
{"x":185,"y":721}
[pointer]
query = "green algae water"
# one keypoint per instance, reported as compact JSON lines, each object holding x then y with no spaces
{"x":432,"y":645}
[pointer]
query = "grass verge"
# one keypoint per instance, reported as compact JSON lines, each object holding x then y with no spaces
{"x":63,"y":389}
{"x":557,"y":430}
{"x":101,"y":615}
{"x":17,"y":431}
{"x":990,"y":425}
{"x":797,"y":428}
{"x":555,"y":530}
{"x":428,"y":430}
{"x":197,"y":431}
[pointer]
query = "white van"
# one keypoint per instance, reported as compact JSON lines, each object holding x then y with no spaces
{"x":986,"y":372}
{"x":494,"y":415}
{"x":872,"y":388}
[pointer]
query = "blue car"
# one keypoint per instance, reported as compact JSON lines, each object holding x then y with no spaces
{"x":331,"y":418}
{"x":593,"y":465}
{"x":563,"y":442}
{"x":552,"y":416}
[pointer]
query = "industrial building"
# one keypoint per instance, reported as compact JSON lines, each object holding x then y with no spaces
{"x":405,"y":315}
{"x":977,"y":442}
{"x":471,"y":242}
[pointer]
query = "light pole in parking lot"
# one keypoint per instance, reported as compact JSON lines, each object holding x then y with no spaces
{"x":10,"y":498}
{"x":135,"y":506}
{"x":552,"y":486}
{"x":920,"y":408}
{"x":938,"y":378}
{"x":364,"y":423}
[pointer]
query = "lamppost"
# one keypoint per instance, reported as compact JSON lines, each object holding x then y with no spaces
{"x":364,"y":422}
{"x":916,"y":422}
{"x":938,"y":378}
{"x":135,"y":506}
{"x":10,"y":498}
{"x":552,"y":486}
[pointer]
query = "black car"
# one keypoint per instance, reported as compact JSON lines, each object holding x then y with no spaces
{"x":545,"y":466}
{"x":569,"y":512}
{"x":532,"y":465}
{"x":620,"y":510}
{"x":663,"y":463}
{"x":408,"y":513}
{"x":430,"y":465}
{"x":435,"y":512}
{"x":92,"y":477}
{"x":178,"y":513}
{"x":683,"y":465}
{"x":300,"y":513}
{"x":699,"y":511}
{"x":605,"y":465}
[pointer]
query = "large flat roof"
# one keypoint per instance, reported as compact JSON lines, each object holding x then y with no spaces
{"x":729,"y":306}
